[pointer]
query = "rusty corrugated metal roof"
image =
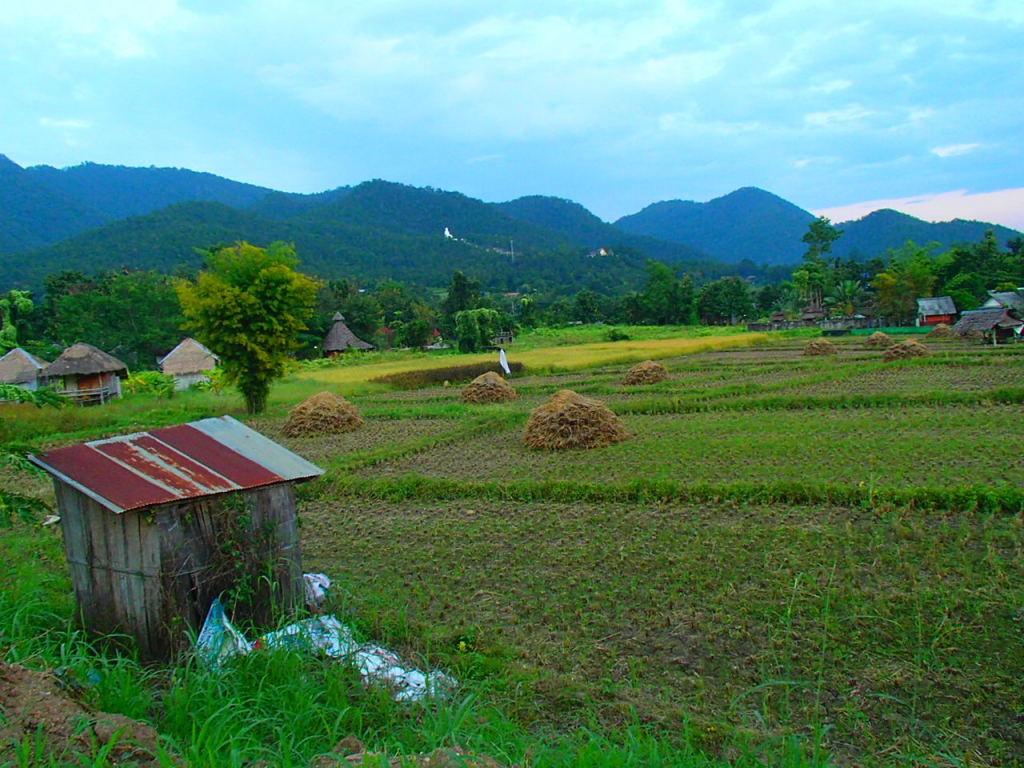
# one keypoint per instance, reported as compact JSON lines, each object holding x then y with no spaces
{"x":173,"y":464}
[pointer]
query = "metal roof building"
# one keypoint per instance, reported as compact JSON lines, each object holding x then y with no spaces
{"x":159,"y":523}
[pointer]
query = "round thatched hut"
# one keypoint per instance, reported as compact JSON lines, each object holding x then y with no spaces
{"x":86,"y":374}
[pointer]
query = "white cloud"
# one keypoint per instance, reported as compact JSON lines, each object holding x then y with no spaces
{"x":832,"y":86}
{"x":485,"y":158}
{"x":49,"y":122}
{"x":845,"y":117}
{"x":953,"y":150}
{"x":1004,"y":206}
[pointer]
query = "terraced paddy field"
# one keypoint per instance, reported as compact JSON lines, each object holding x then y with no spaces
{"x":796,"y":561}
{"x":821,"y":549}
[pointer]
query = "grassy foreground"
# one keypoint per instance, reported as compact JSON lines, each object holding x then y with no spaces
{"x":794,"y":562}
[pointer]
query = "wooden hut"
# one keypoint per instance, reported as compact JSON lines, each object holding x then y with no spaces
{"x":995,"y":325}
{"x":935,"y":310}
{"x":21,"y":368}
{"x":157,"y":524}
{"x":341,"y":338}
{"x":189,"y":363}
{"x":86,"y":374}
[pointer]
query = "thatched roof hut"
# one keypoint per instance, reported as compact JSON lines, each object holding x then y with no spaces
{"x":995,"y":323}
{"x":87,"y":374}
{"x":21,"y":368}
{"x":341,"y":338}
{"x":189,"y":362}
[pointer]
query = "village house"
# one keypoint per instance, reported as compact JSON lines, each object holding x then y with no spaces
{"x":21,"y":368}
{"x":1013,"y":300}
{"x":189,"y":363}
{"x":86,"y":374}
{"x":935,"y":310}
{"x":340,"y":338}
{"x":994,"y":324}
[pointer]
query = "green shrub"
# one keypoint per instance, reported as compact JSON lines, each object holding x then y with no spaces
{"x":150,"y":381}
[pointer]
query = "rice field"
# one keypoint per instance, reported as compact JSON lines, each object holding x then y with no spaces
{"x":793,"y":561}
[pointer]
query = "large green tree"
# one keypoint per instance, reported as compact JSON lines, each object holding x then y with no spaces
{"x":12,"y":304}
{"x":248,"y":305}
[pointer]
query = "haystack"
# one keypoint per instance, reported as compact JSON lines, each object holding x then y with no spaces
{"x":941,"y":331}
{"x":647,"y":372}
{"x":488,"y":388}
{"x":879,"y":340}
{"x":904,"y":350}
{"x":569,"y":420}
{"x":820,"y":347}
{"x":324,"y":413}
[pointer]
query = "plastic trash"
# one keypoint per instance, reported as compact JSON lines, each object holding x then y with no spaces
{"x":218,"y":640}
{"x":317,"y":587}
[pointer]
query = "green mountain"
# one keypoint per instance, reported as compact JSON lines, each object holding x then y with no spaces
{"x":33,"y":215}
{"x":330,"y":247}
{"x":746,"y":224}
{"x":881,"y":230}
{"x":288,"y":205}
{"x":119,"y":191}
{"x":581,"y":226}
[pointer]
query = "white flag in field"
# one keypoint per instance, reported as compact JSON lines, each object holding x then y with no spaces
{"x":503,"y":362}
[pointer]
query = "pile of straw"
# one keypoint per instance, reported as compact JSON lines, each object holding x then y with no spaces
{"x":904,"y":350}
{"x":941,"y":332}
{"x":879,"y":340}
{"x":647,"y":372}
{"x":820,"y":347}
{"x":488,"y":388}
{"x":569,"y":420}
{"x":324,"y":413}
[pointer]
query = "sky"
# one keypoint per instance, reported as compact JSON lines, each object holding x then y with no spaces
{"x":839,"y":107}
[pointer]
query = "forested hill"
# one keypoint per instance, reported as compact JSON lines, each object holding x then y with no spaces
{"x":754,"y":224}
{"x":330,"y":247}
{"x":118,"y":191}
{"x":581,"y":226}
{"x":33,"y":215}
{"x":746,"y":224}
{"x":863,"y":237}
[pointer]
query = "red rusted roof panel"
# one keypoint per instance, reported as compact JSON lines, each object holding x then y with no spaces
{"x":121,"y":486}
{"x":217,"y":456}
{"x":196,"y":472}
{"x":172,"y":464}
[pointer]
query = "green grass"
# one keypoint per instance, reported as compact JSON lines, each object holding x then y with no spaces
{"x":795,"y":561}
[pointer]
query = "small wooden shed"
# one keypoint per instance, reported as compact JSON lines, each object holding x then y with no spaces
{"x":341,"y":338}
{"x":189,"y":362}
{"x":157,"y":524}
{"x":86,"y":374}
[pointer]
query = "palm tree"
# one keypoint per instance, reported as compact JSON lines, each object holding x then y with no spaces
{"x":845,"y":296}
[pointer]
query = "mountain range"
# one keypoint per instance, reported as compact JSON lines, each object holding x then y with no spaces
{"x":94,"y":216}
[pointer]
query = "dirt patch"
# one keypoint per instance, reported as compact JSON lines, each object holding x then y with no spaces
{"x":647,"y":372}
{"x":488,"y":388}
{"x":350,"y":753}
{"x":35,"y":708}
{"x":324,"y":413}
{"x":569,"y":420}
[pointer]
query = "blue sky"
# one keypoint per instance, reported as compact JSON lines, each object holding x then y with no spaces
{"x":838,"y":107}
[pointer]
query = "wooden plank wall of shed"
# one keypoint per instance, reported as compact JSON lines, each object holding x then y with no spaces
{"x":205,"y":554}
{"x":111,"y":570}
{"x":154,"y":578}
